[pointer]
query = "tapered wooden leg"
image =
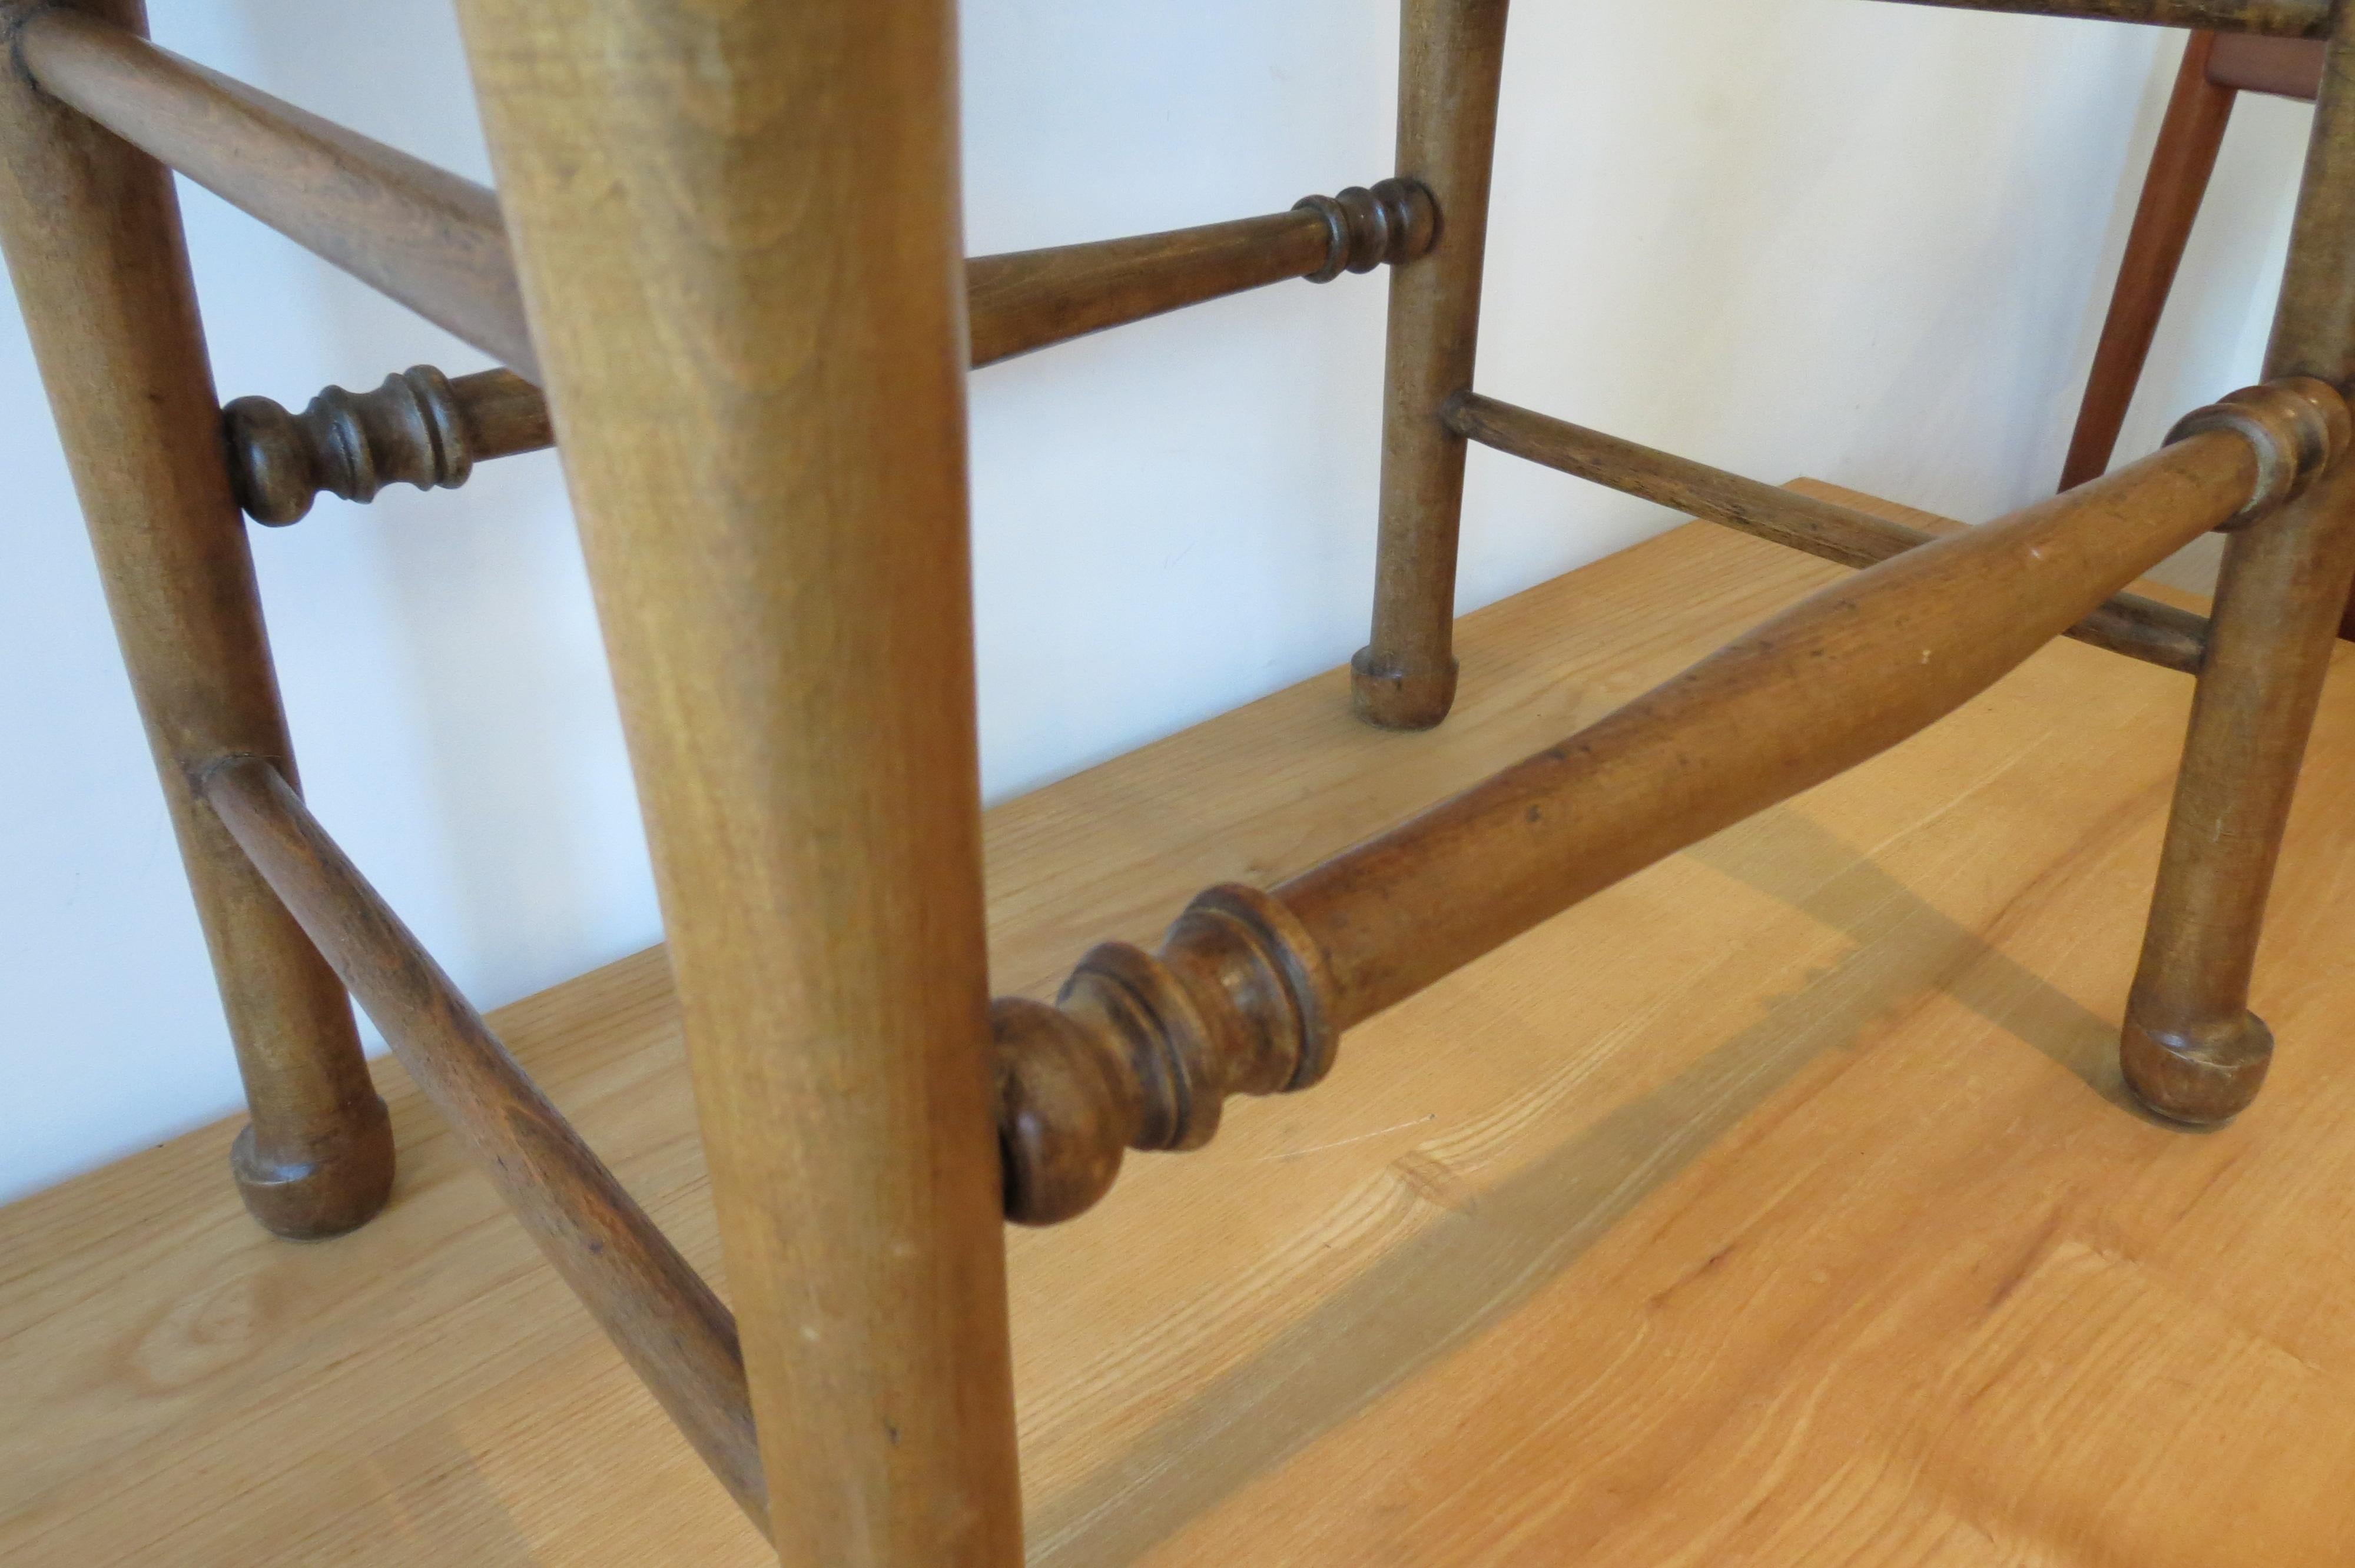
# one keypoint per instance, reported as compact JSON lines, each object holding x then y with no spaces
{"x":2192,"y":1049}
{"x":2188,"y":140}
{"x":1451,"y":59}
{"x":92,"y":234}
{"x":738,"y":232}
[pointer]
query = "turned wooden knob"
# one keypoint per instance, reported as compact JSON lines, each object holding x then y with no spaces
{"x":348,"y":444}
{"x":1141,"y":1049}
{"x":1396,"y":220}
{"x":419,"y":427}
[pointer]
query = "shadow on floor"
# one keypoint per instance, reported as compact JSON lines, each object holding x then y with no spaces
{"x":1472,"y":1267}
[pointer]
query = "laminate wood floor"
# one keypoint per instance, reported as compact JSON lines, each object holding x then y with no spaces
{"x":1781,"y":1205}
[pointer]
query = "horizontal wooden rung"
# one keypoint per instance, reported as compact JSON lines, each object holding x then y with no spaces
{"x":1023,"y":300}
{"x":666,"y":1322}
{"x":2131,"y":624}
{"x":419,"y":234}
{"x":1251,"y":991}
{"x":438,"y":244}
{"x":429,"y":431}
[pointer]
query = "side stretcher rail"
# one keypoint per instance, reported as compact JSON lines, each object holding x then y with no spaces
{"x":650,"y":1301}
{"x":430,"y":431}
{"x":1251,"y":991}
{"x":2130,"y":624}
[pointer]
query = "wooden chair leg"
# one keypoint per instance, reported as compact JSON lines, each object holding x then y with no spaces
{"x":92,"y":234}
{"x":2192,"y":1049}
{"x":738,"y":232}
{"x":1451,"y":59}
{"x":2188,"y":140}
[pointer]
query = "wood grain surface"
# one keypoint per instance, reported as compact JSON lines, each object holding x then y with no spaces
{"x":783,"y":342}
{"x":1781,"y":1205}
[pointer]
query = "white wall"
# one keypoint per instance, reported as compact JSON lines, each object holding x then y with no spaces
{"x":1863,"y":241}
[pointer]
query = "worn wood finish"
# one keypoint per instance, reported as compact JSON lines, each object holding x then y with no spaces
{"x":2188,"y":140}
{"x":1818,"y":689}
{"x":1451,"y":62}
{"x":1026,"y":300}
{"x":420,"y":427}
{"x":2140,"y":628}
{"x":650,"y":1301}
{"x":2192,"y":1048}
{"x":1142,"y":1050}
{"x":419,"y":234}
{"x":1249,"y":992}
{"x":1778,"y":1207}
{"x":775,"y":527}
{"x":2275,"y":19}
{"x":430,"y":431}
{"x":92,"y":234}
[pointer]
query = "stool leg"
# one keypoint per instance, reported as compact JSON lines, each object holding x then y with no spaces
{"x":738,"y":232}
{"x":1451,"y":59}
{"x":2192,"y":1049}
{"x":92,"y":234}
{"x":2180,"y":166}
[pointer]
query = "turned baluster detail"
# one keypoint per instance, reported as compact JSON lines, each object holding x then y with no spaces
{"x":1142,"y":1050}
{"x":419,"y":426}
{"x":429,"y":430}
{"x":2296,"y":426}
{"x":1394,"y":221}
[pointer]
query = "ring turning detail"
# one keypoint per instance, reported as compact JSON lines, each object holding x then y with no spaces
{"x":2296,"y":426}
{"x":1141,"y":1049}
{"x":1396,"y":220}
{"x":419,"y":426}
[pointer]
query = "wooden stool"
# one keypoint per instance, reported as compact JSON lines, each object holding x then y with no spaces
{"x":722,"y":268}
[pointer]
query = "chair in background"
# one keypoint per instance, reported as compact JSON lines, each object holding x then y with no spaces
{"x":2217,"y":68}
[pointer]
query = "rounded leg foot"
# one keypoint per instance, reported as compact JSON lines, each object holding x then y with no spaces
{"x":2201,"y":1076}
{"x":1389,"y":697}
{"x":340,"y":1188}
